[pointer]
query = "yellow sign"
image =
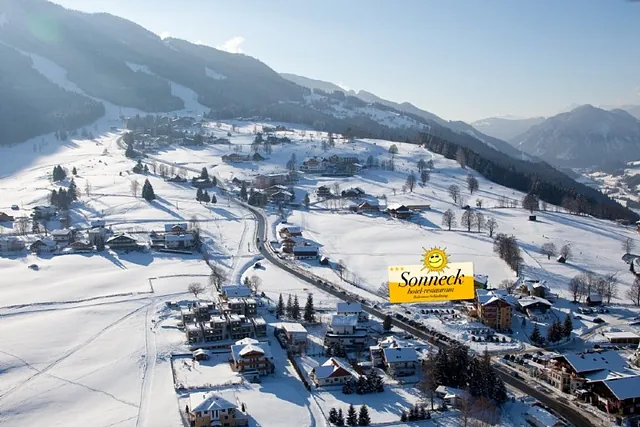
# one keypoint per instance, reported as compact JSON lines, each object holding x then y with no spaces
{"x":442,"y":280}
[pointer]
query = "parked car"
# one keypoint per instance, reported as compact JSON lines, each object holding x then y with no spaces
{"x":15,"y":208}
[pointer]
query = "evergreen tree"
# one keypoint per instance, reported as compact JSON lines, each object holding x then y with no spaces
{"x":535,"y":336}
{"x":73,"y":191}
{"x":214,"y":180}
{"x":361,"y":386}
{"x":147,"y":191}
{"x":306,"y":200}
{"x":289,"y":309}
{"x":375,"y":382}
{"x":423,"y":413}
{"x":363,"y":418}
{"x":74,"y":171}
{"x":352,"y":416}
{"x":204,"y":174}
{"x":413,"y":413}
{"x":146,"y":169}
{"x":333,"y":416}
{"x":386,"y":324}
{"x":205,"y":197}
{"x":347,"y":387}
{"x":199,"y":194}
{"x":567,"y":326}
{"x":295,"y":310}
{"x":243,"y":191}
{"x":280,"y":307}
{"x":403,"y":416}
{"x":53,"y":198}
{"x":100,"y":243}
{"x":213,"y":198}
{"x":309,"y":310}
{"x":340,"y":421}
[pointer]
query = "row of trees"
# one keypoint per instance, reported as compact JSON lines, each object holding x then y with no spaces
{"x":62,"y":198}
{"x":372,"y":383}
{"x":506,"y":247}
{"x":354,"y":418}
{"x":556,"y":332}
{"x":416,"y":413}
{"x":58,"y":174}
{"x":204,"y":196}
{"x":292,"y":309}
{"x":147,"y":190}
{"x":469,"y":220}
{"x":454,"y":190}
{"x":584,"y":284}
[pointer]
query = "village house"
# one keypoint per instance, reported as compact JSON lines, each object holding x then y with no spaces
{"x":81,"y":246}
{"x":265,"y":181}
{"x":96,"y":235}
{"x":42,"y":246}
{"x":616,"y":395}
{"x":62,"y":237}
{"x":11,"y":246}
{"x":260,"y":326}
{"x":399,"y":211}
{"x":622,"y":337}
{"x":305,"y":251}
{"x":540,"y":417}
{"x":480,"y":281}
{"x":275,"y":189}
{"x":5,"y":218}
{"x":344,"y":332}
{"x":179,"y":241}
{"x":122,"y":242}
{"x":295,"y":337}
{"x":451,"y":396}
{"x":44,"y":213}
{"x":534,"y":307}
{"x":401,"y":361}
{"x":352,"y":308}
{"x":367,"y":206}
{"x":250,"y":355}
{"x":353,"y":192}
{"x":235,"y":291}
{"x":290,"y":231}
{"x":571,"y":372}
{"x":313,"y":165}
{"x":215,"y":329}
{"x":493,"y":309}
{"x":535,"y":288}
{"x":332,"y":372}
{"x":594,"y":299}
{"x":281,"y":196}
{"x":216,"y":409}
{"x":288,"y":244}
{"x":323,"y":192}
{"x":235,"y":158}
{"x":235,"y":306}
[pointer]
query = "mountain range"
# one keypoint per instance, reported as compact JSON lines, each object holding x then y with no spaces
{"x":113,"y":61}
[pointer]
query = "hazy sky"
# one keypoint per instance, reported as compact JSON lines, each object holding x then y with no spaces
{"x":460,"y":59}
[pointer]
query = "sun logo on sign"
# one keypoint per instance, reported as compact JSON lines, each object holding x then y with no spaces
{"x":435,"y":259}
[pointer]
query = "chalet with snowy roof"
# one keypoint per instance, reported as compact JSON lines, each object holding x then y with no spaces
{"x":176,"y":228}
{"x":452,"y":396}
{"x":399,"y":211}
{"x":313,"y":165}
{"x":534,"y":306}
{"x":332,"y":372}
{"x":295,"y":336}
{"x":266,"y":181}
{"x":353,"y":192}
{"x":344,"y":332}
{"x":249,"y":355}
{"x":616,"y":395}
{"x":179,"y":241}
{"x":307,"y":251}
{"x":235,"y":291}
{"x":401,"y":361}
{"x":594,"y":299}
{"x":216,"y":409}
{"x":81,"y":246}
{"x":368,"y":206}
{"x":290,"y":231}
{"x":283,"y":196}
{"x":122,"y":242}
{"x":352,"y":308}
{"x":44,"y":212}
{"x":622,"y":337}
{"x":62,"y":237}
{"x":323,"y":192}
{"x":288,"y":243}
{"x":540,"y":417}
{"x":493,"y":308}
{"x":274,"y":189}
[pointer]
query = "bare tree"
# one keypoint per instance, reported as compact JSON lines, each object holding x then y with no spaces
{"x":163,"y":170}
{"x":548,"y":249}
{"x":135,"y":186}
{"x":336,"y":188}
{"x":217,"y":276}
{"x":154,"y":167}
{"x":383,"y":290}
{"x":196,"y":289}
{"x":472,"y":184}
{"x":87,"y":188}
{"x":628,"y":245}
{"x":508,"y":285}
{"x":531,"y":202}
{"x":468,"y":219}
{"x":341,"y":268}
{"x":480,"y":221}
{"x":411,"y":181}
{"x":449,"y":219}
{"x":22,"y":225}
{"x":565,"y":251}
{"x":255,"y":283}
{"x":491,"y":226}
{"x":454,"y":192}
{"x":634,"y":292}
{"x":172,"y":170}
{"x":479,"y":203}
{"x":609,"y":288}
{"x":578,"y":286}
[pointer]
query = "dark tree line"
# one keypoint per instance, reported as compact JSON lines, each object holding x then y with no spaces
{"x":507,"y":249}
{"x":372,"y":383}
{"x":58,"y":174}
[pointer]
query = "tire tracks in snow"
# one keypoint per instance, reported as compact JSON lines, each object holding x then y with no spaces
{"x":71,"y":352}
{"x":151,"y":355}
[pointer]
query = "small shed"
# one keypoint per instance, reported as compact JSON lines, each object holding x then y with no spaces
{"x":561,"y":259}
{"x":200,"y":354}
{"x":532,"y":218}
{"x":594,"y":299}
{"x":324,"y":260}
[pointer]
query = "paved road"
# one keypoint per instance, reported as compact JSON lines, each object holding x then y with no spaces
{"x":570,"y":413}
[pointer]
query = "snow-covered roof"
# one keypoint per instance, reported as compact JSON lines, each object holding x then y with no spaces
{"x":247,"y":341}
{"x":305,"y":249}
{"x":63,"y":232}
{"x":293,"y":327}
{"x":624,"y":388}
{"x":235,"y":318}
{"x":168,"y":227}
{"x":251,"y":348}
{"x":338,"y":320}
{"x":620,"y":335}
{"x":529,"y":301}
{"x":332,"y":367}
{"x":238,"y":351}
{"x":235,"y":301}
{"x":481,"y":278}
{"x":588,"y":362}
{"x":259,"y":321}
{"x":595,"y":298}
{"x":201,"y":402}
{"x":250,"y":301}
{"x":179,"y":238}
{"x":543,"y":416}
{"x":199,"y":352}
{"x":604,"y":375}
{"x":486,"y":297}
{"x":349,"y":307}
{"x":236,"y":291}
{"x":291,"y":228}
{"x":400,"y":354}
{"x":450,"y":392}
{"x":192,"y":327}
{"x":396,"y":206}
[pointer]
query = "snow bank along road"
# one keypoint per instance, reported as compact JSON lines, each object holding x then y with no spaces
{"x":570,"y":413}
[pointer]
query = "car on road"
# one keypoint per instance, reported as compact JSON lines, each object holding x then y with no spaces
{"x":15,"y":208}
